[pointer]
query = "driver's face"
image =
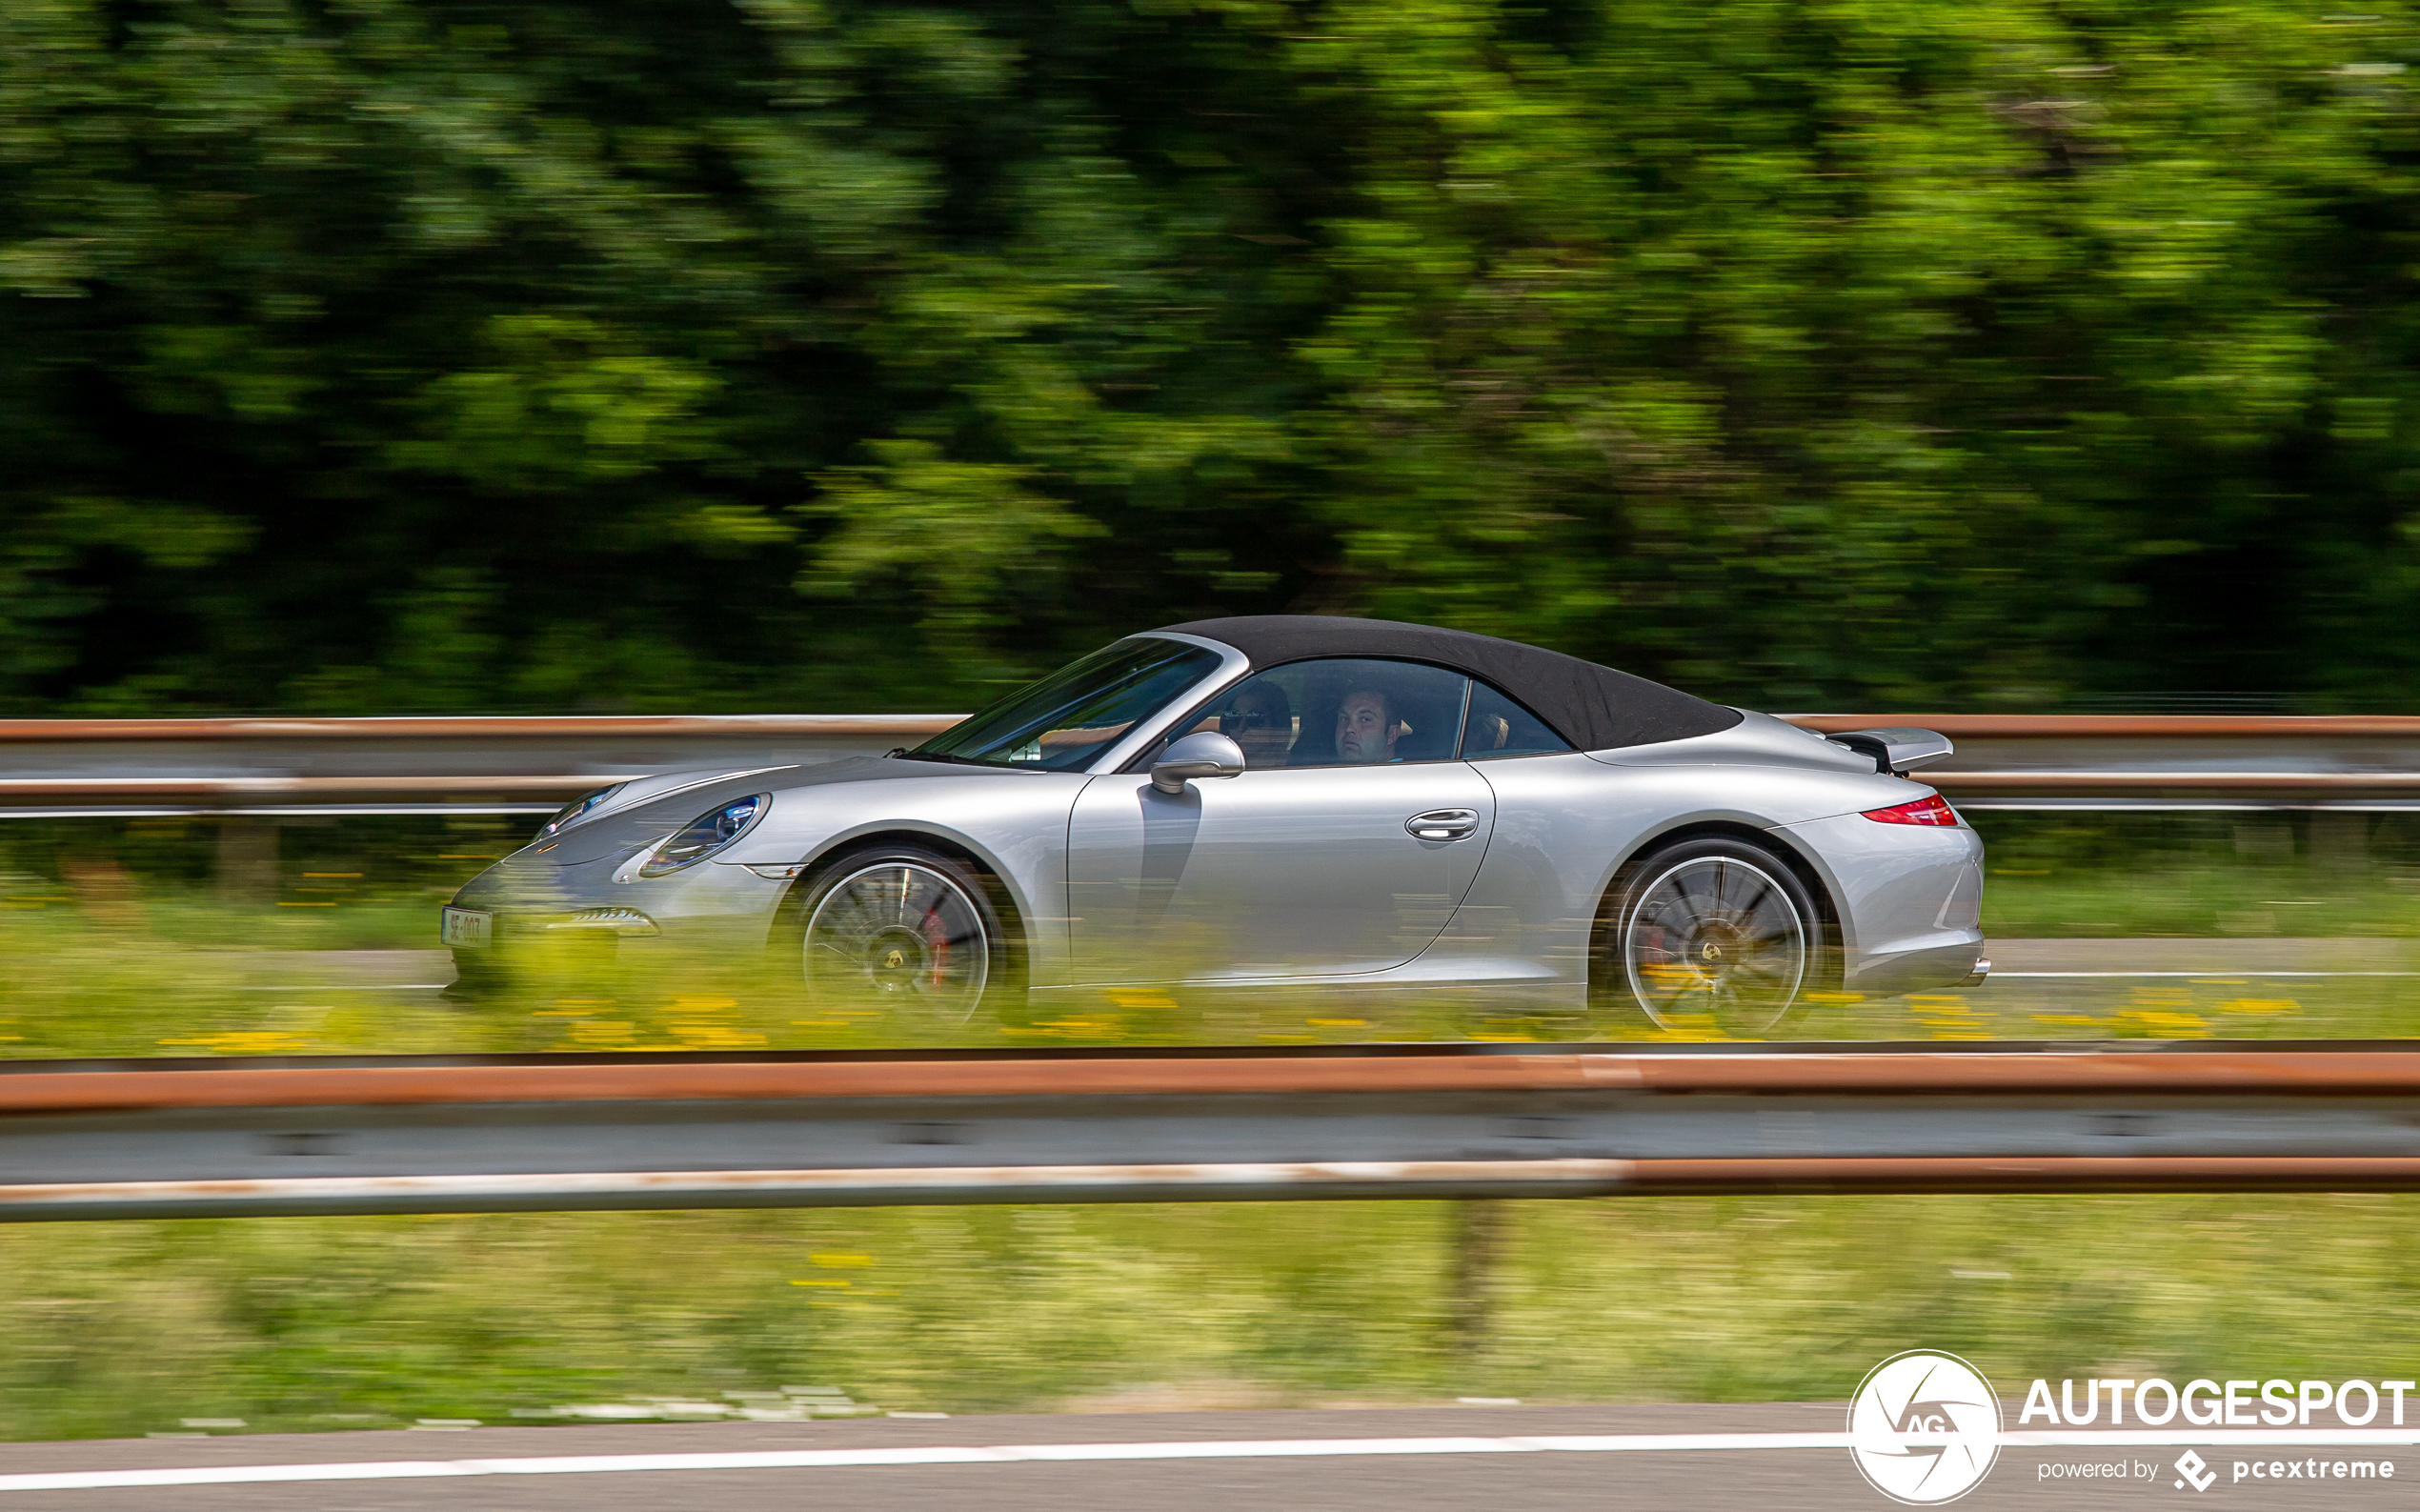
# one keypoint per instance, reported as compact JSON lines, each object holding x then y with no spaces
{"x":1363,"y":732}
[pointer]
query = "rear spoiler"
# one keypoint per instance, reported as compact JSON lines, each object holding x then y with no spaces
{"x":1897,"y":749}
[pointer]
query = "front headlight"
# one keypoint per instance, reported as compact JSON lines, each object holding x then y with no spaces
{"x":578,"y":808}
{"x":705,"y":835}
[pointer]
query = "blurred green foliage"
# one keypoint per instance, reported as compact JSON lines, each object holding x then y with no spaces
{"x":385,"y":355}
{"x":117,"y":1329}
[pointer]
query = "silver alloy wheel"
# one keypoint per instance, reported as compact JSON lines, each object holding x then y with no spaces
{"x":1715,"y":941}
{"x":900,"y":936}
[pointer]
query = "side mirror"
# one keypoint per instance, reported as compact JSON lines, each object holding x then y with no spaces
{"x":1208,"y":753}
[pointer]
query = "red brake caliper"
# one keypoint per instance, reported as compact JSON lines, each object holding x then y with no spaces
{"x":937,"y":941}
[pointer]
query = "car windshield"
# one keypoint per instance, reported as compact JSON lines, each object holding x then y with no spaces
{"x":1071,"y":716}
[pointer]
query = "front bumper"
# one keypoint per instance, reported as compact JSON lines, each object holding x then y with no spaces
{"x":546,"y":917}
{"x":586,"y":939}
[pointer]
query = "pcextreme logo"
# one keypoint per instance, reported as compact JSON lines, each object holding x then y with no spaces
{"x":2192,"y":1469}
{"x":1924,"y":1427}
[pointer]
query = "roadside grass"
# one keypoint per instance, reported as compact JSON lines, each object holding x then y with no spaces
{"x":322,"y":1323}
{"x":120,"y":1329}
{"x":2195,"y":901}
{"x":82,"y":984}
{"x":195,"y":920}
{"x":76,"y":985}
{"x":333,"y":883}
{"x":2062,"y":874}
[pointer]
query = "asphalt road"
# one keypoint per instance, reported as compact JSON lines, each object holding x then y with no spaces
{"x":1407,"y":1460}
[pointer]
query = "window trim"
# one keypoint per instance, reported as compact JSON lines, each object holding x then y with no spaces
{"x":1140,"y":760}
{"x":1223,"y":667}
{"x":1145,"y":738}
{"x":1463,"y":735}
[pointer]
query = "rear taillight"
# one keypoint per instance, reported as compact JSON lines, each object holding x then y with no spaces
{"x":1934,"y":811}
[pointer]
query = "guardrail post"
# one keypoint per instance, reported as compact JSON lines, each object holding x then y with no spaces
{"x":2339,"y":841}
{"x":1478,"y":1231}
{"x":246,"y":860}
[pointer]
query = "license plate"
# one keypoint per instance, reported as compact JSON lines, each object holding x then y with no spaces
{"x":468,"y":927}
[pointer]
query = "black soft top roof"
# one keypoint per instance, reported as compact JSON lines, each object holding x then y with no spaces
{"x":1595,"y":707}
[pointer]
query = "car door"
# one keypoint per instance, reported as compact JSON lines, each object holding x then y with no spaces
{"x":1336,"y":866}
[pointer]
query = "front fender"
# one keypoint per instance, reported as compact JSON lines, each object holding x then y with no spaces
{"x":1014,"y":823}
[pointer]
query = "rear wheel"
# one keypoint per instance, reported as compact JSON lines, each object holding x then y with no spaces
{"x":1709,"y":935}
{"x":913,"y":933}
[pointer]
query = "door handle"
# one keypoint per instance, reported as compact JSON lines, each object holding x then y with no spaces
{"x":1443,"y":824}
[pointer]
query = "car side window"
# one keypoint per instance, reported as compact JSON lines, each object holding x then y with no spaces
{"x":1496,"y":726}
{"x":1341,"y":712}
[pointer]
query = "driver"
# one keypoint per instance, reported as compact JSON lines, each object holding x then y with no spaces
{"x":1366,"y":729}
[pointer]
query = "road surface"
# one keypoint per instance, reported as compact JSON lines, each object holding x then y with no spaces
{"x":1402,"y":1460}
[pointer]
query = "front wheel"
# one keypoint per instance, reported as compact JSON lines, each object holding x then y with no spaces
{"x":1710,"y":933}
{"x":912,"y":933}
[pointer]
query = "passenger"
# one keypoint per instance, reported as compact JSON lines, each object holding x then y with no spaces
{"x":1260,"y":720}
{"x":1366,"y":729}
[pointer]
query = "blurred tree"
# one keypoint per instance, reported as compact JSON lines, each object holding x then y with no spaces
{"x":383,"y":356}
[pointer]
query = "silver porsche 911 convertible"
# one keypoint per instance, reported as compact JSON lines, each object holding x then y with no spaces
{"x":1294,"y":802}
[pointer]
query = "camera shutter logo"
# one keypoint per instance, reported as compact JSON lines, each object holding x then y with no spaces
{"x":1924,"y":1427}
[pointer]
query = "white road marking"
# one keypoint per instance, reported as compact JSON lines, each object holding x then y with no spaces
{"x":1189,"y":1449}
{"x":2250,"y":974}
{"x":356,"y":986}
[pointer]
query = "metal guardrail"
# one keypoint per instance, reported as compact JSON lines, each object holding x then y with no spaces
{"x":2350,"y":763}
{"x":268,"y":768}
{"x":271,"y":768}
{"x":422,"y":1135}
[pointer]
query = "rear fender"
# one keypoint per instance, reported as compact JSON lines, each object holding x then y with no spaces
{"x":1901,"y":889}
{"x":1566,"y":825}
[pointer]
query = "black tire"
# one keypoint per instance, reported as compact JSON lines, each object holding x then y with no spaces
{"x":1712,"y":934}
{"x":919,"y":934}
